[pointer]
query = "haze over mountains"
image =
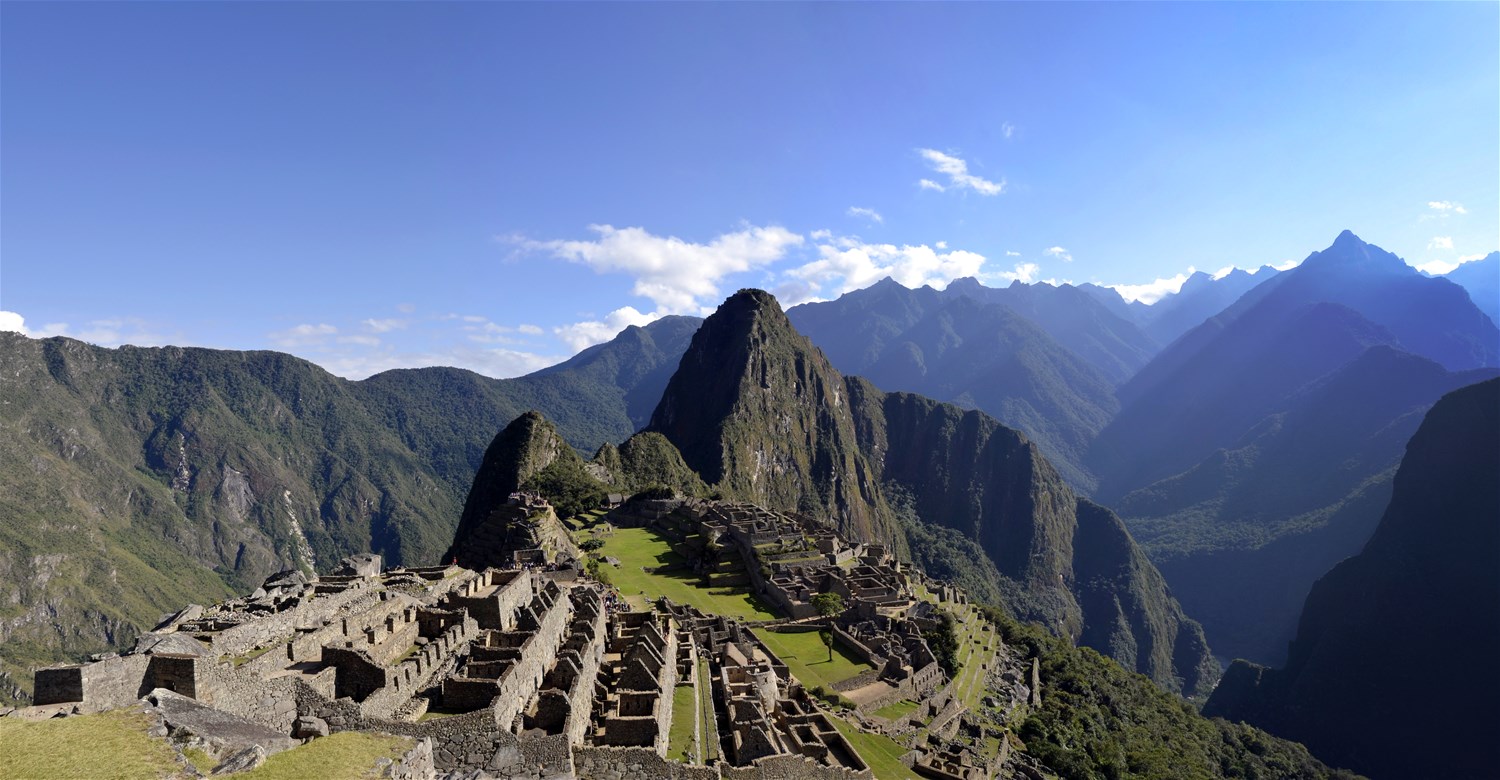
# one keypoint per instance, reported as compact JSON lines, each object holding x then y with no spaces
{"x":1410,"y":623}
{"x":1247,"y":453}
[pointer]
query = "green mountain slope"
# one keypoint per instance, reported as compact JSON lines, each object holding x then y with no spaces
{"x":247,"y":463}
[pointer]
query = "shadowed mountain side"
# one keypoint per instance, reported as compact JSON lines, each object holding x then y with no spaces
{"x":1481,"y":278}
{"x":1065,"y":561}
{"x":1382,"y":634}
{"x":1113,"y":345}
{"x":1212,"y":398}
{"x":1302,"y":491}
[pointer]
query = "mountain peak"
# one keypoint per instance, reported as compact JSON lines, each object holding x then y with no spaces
{"x":1349,"y":252}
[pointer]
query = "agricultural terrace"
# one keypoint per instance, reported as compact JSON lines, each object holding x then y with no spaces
{"x":641,"y":551}
{"x":807,"y":657}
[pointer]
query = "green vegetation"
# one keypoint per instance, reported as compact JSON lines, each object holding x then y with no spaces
{"x":828,"y":604}
{"x":1098,"y":720}
{"x":943,"y":641}
{"x":710,"y":742}
{"x":680,"y":742}
{"x":642,"y":549}
{"x":98,"y":747}
{"x":803,"y":652}
{"x":567,"y":485}
{"x":898,"y":710}
{"x":347,"y":755}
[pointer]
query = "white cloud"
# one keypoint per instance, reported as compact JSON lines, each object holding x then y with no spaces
{"x":588,"y":333}
{"x":1060,"y":253}
{"x":820,"y":235}
{"x":958,"y":174}
{"x":843,"y":266}
{"x":1440,"y":242}
{"x":304,"y":335}
{"x":1024,"y":273}
{"x":406,"y":308}
{"x":1009,"y":253}
{"x":679,"y":276}
{"x":530,"y":330}
{"x":1008,"y":129}
{"x":870,"y":214}
{"x":1442,"y":267}
{"x":1151,"y":292}
{"x":1287,"y":265}
{"x":384,"y":326}
{"x":1446,"y":206}
{"x":13,"y":322}
{"x":360,"y":339}
{"x":106,"y":332}
{"x":929,"y":184}
{"x":497,"y":363}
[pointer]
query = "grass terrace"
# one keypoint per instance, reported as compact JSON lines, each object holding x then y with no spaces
{"x":807,"y":657}
{"x":680,"y":740}
{"x":882,"y":753}
{"x":347,"y":755}
{"x":897,"y":710}
{"x":639,"y":549}
{"x":99,"y":747}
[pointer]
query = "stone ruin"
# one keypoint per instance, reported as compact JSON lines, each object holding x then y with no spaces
{"x":525,"y":669}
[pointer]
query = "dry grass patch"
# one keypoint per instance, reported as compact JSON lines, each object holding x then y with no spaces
{"x":85,"y":747}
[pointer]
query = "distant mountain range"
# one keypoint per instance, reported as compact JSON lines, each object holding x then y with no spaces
{"x":1405,"y":632}
{"x":1256,"y":450}
{"x":1248,"y":451}
{"x":1481,"y":278}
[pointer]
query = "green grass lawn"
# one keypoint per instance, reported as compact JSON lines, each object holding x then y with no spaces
{"x":896,"y":711}
{"x":710,"y":742}
{"x":91,"y":747}
{"x":641,"y":547}
{"x":807,"y":657}
{"x":347,"y":755}
{"x":882,"y":753}
{"x":680,"y":739}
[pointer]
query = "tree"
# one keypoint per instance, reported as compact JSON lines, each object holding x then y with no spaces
{"x":590,"y":545}
{"x":828,"y":605}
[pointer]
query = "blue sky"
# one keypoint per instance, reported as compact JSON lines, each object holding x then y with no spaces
{"x":497,"y":185}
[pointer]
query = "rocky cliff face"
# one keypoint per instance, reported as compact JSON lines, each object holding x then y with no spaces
{"x":522,"y":450}
{"x":1393,"y":669}
{"x":1064,"y":561}
{"x":760,"y":414}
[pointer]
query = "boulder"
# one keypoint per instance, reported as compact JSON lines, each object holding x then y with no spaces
{"x":223,"y":733}
{"x":309,"y":726}
{"x":289,"y":580}
{"x":242,"y":761}
{"x":367,"y":565}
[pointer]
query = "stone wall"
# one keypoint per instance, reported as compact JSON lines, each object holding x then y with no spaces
{"x":629,"y":763}
{"x":279,"y":627}
{"x":102,"y":685}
